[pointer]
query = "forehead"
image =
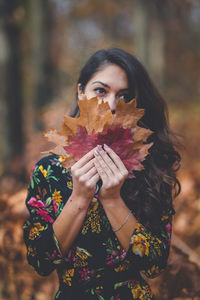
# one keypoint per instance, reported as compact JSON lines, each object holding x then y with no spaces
{"x":111,"y":74}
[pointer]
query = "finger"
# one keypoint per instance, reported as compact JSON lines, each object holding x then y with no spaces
{"x":102,"y":168}
{"x":94,"y":179}
{"x":109,"y":162}
{"x":116,"y":160}
{"x":89,"y":174}
{"x":88,"y":166}
{"x":87,"y":157}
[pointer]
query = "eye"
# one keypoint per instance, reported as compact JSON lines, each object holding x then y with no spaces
{"x":125,"y":97}
{"x":100,"y":91}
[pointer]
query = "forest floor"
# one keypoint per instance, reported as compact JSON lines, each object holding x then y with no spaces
{"x":182,"y":276}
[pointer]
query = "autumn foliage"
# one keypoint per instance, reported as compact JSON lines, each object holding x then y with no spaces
{"x":98,"y":126}
{"x":181,"y":279}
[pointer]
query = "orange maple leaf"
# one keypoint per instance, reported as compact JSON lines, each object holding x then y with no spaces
{"x":97,"y":125}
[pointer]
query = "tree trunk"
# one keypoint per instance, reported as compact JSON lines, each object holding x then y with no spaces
{"x":11,"y":92}
{"x":41,"y":68}
{"x":157,"y":52}
{"x":141,"y":30}
{"x":149,"y":37}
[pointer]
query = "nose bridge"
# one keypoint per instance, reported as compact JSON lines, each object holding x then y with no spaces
{"x":111,"y":100}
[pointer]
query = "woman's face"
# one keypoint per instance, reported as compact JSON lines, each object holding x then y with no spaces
{"x":109,"y":84}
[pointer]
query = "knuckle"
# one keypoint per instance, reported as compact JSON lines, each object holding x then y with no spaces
{"x":82,"y":179}
{"x":110,"y":184}
{"x":107,"y":186}
{"x":88,"y":184}
{"x":116,"y":181}
{"x":76,"y":173}
{"x":73,"y":169}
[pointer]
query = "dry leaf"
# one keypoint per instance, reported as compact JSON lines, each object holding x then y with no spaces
{"x":97,"y":126}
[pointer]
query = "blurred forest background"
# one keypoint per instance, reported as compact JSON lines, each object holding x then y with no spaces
{"x":43,"y":44}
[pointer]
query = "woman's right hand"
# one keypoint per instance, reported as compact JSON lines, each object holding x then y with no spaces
{"x":69,"y":222}
{"x":85,"y":177}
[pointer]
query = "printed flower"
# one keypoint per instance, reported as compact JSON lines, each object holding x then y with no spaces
{"x":44,"y":172}
{"x":93,"y":207}
{"x":35,"y":231}
{"x":114,"y":255}
{"x":93,"y":219}
{"x":44,"y":215}
{"x":97,"y":126}
{"x":69,"y":185}
{"x":55,"y":206}
{"x":32,"y":170}
{"x":153,"y":271}
{"x":97,"y":290}
{"x":168,"y":227}
{"x":139,"y":292}
{"x":35,"y":203}
{"x":156,"y":242}
{"x":67,"y":276}
{"x":80,"y":257}
{"x":85,"y":274}
{"x":148,"y":292}
{"x":122,"y":267}
{"x":61,"y":158}
{"x":140,"y":228}
{"x":165,"y":217}
{"x":57,"y":197}
{"x":140,"y":245}
{"x":31,"y":251}
{"x":54,"y":254}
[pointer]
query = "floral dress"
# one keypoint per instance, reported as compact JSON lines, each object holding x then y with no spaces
{"x":96,"y":266}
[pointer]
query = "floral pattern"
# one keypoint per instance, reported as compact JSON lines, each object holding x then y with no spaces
{"x":93,"y":221}
{"x":67,"y":277}
{"x":35,"y":231}
{"x":96,"y":266}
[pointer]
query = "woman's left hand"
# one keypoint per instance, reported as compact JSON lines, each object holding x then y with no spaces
{"x":112,"y":172}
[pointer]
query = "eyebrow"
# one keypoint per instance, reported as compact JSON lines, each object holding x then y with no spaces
{"x":106,"y":85}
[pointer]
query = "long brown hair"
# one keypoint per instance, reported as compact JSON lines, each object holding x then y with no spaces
{"x":151,"y":192}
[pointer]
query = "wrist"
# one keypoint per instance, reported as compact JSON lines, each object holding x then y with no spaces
{"x":111,"y":201}
{"x":79,"y":201}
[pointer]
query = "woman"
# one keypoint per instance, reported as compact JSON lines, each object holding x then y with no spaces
{"x":108,"y":232}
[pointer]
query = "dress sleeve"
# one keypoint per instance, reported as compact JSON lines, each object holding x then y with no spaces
{"x":149,"y":251}
{"x":42,"y":201}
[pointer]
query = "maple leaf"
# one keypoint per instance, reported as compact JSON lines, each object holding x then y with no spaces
{"x":97,"y":126}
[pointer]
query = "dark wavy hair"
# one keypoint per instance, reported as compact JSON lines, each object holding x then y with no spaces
{"x":151,"y":192}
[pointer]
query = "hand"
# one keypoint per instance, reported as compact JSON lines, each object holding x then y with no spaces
{"x":112,"y":172}
{"x":85,"y":177}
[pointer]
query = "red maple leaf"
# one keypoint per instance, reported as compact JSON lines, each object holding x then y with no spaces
{"x":97,"y":126}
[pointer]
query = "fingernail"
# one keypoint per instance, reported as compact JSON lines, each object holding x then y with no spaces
{"x":99,"y":147}
{"x":96,"y":152}
{"x":105,"y":146}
